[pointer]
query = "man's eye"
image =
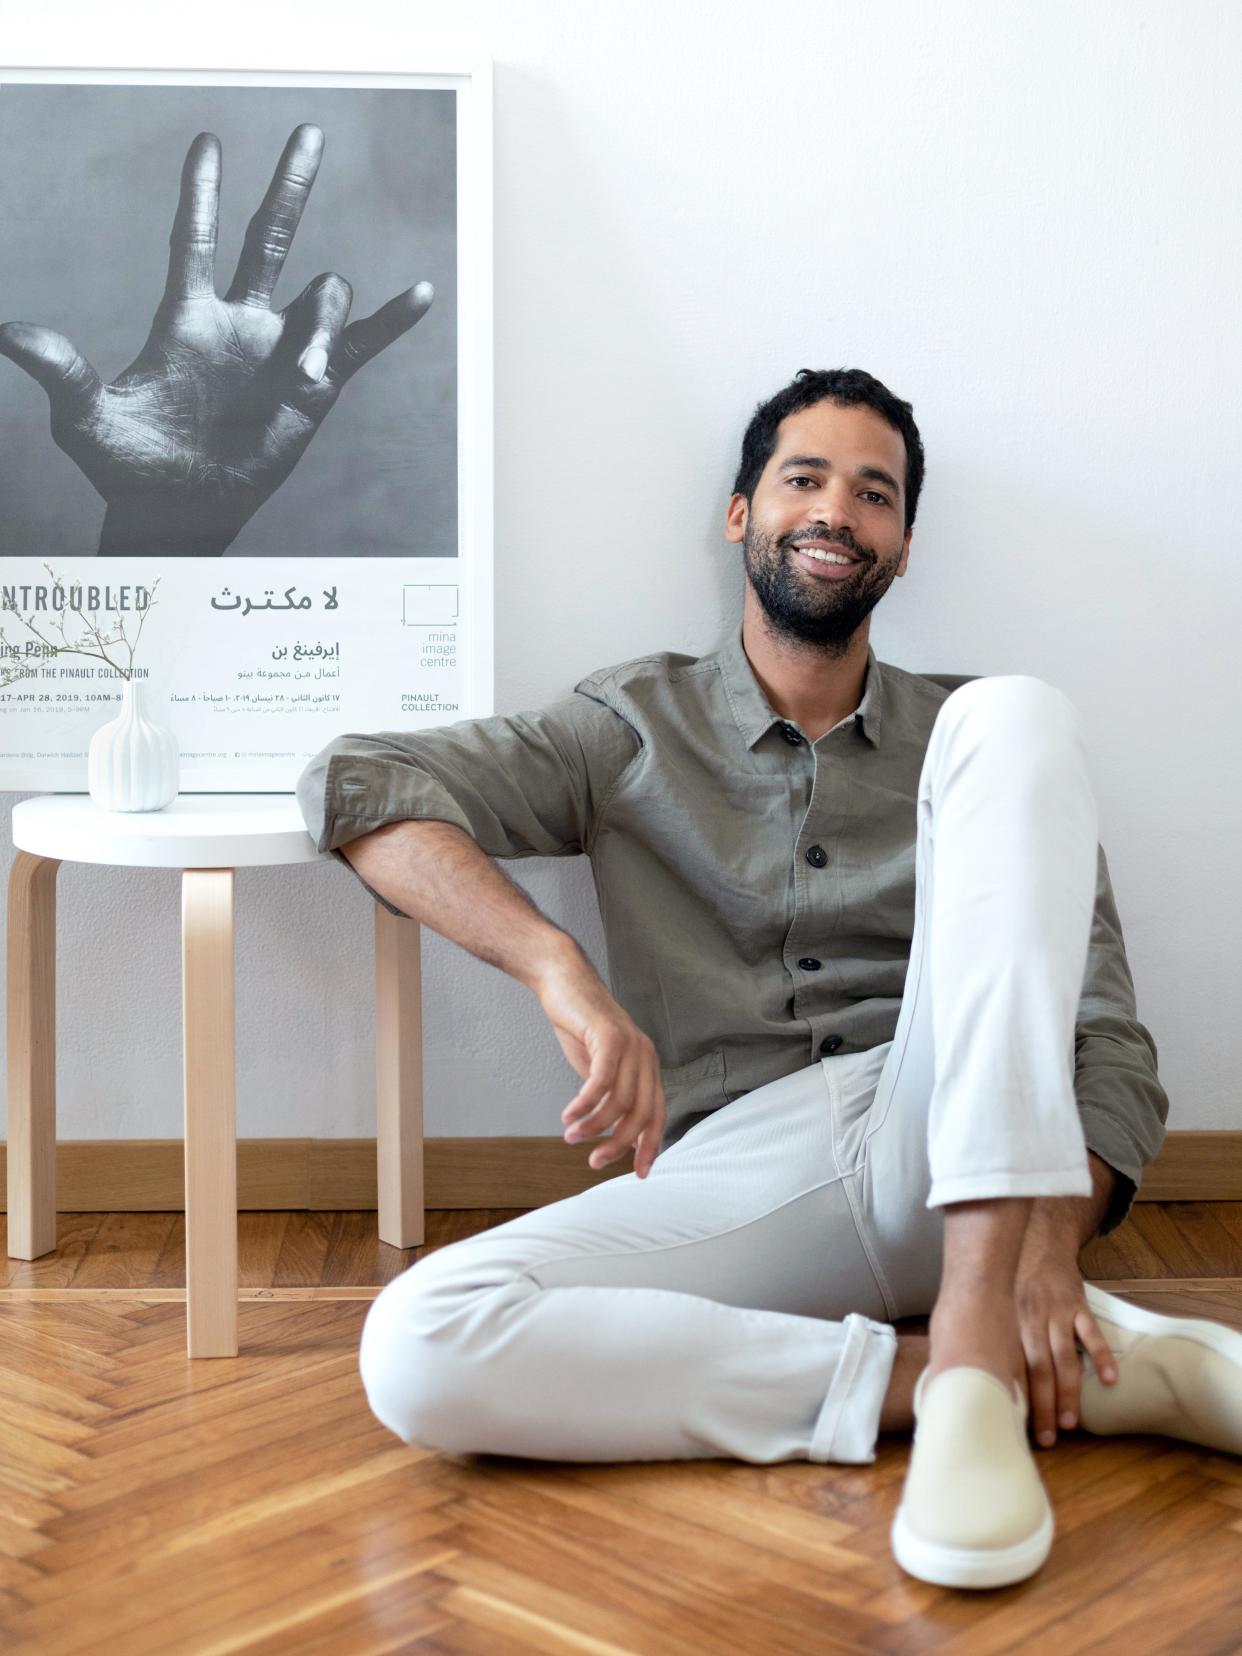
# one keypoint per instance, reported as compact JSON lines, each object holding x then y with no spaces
{"x":802,"y":480}
{"x":876,"y":495}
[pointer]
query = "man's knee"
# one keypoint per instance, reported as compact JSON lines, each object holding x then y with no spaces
{"x":1014,"y":713}
{"x":419,"y":1358}
{"x":1009,"y":696}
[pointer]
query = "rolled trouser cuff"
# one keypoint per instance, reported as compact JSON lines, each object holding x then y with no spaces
{"x":986,"y":1187}
{"x":849,"y":1422}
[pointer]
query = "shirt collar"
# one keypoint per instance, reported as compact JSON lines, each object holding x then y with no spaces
{"x":750,"y":706}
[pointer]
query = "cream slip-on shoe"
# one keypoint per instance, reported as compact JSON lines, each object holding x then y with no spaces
{"x":974,"y":1512}
{"x":1179,"y":1377}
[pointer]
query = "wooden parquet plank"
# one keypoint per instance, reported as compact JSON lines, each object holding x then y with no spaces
{"x":201,"y":1519}
{"x":702,"y":1549}
{"x":710,"y":1497}
{"x":404,"y":1614}
{"x":461,"y":1638}
{"x":500,"y":1593}
{"x":275,"y":1430}
{"x":61,"y":1344}
{"x":1124,"y":1252}
{"x":494,"y":1616}
{"x":1160,"y":1604}
{"x":49,"y":1396}
{"x":260,"y":1586}
{"x":753,"y":1609}
{"x":124,"y":1250}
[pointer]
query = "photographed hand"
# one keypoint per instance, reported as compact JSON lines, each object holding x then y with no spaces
{"x":622,"y":1087}
{"x":1052,"y":1312}
{"x":219,"y":405}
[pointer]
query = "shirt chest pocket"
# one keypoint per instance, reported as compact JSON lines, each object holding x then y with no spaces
{"x":730,"y":839}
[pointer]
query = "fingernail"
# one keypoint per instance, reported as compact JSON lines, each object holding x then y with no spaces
{"x":1048,"y":1437}
{"x":314,"y":362}
{"x":1067,"y":1419}
{"x":1109,"y":1374}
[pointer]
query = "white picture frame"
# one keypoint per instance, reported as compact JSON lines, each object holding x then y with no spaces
{"x":412,"y":643}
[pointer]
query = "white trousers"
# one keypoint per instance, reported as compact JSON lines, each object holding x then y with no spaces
{"x":738,"y":1301}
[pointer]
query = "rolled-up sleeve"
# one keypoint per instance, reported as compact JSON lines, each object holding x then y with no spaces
{"x":521,"y":785}
{"x":1121,"y":1103}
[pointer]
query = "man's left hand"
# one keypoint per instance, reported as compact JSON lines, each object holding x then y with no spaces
{"x":1053,"y":1313}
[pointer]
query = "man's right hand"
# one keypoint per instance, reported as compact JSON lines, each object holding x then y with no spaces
{"x":622,"y":1087}
{"x":436,"y":873}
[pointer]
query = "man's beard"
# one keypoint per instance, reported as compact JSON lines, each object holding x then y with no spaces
{"x":811,"y":611}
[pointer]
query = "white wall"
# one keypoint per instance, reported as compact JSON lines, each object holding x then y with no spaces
{"x":1024,"y":218}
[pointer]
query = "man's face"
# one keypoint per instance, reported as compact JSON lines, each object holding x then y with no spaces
{"x":835,"y":485}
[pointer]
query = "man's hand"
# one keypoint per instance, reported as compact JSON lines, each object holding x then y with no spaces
{"x":622,"y":1088}
{"x":1052,"y":1310}
{"x":222,"y":400}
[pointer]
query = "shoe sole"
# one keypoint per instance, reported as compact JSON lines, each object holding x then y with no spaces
{"x":969,"y":1566}
{"x":1227,"y":1341}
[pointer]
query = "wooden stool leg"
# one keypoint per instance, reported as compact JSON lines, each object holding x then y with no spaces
{"x":32,"y":1055}
{"x":207,"y":1007}
{"x":399,"y":1079}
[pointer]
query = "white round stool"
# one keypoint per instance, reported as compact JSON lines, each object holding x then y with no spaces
{"x":207,"y":836}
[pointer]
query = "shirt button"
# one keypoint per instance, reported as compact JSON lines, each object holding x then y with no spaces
{"x":817,"y":856}
{"x":791,"y":734}
{"x":830,"y":1043}
{"x":807,"y":964}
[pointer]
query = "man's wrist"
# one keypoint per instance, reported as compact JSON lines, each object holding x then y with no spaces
{"x":558,"y":957}
{"x":160,"y":527}
{"x":1068,"y":1223}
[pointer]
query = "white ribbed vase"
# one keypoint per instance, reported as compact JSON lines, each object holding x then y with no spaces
{"x":132,"y":764}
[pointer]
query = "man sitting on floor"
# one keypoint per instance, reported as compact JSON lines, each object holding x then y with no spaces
{"x":871,"y":1034}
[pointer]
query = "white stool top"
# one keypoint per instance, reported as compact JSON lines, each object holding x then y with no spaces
{"x":191,"y":831}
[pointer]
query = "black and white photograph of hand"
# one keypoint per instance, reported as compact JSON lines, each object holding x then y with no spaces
{"x":192,"y":278}
{"x":226,"y":394}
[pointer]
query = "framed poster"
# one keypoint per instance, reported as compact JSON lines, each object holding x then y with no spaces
{"x":257,"y":310}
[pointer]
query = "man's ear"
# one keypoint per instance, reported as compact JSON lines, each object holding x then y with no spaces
{"x":736,"y":518}
{"x":905,"y":553}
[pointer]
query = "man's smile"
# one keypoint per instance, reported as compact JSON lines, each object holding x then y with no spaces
{"x":824,"y":558}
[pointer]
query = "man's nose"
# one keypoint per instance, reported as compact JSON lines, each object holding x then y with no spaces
{"x":834,"y":507}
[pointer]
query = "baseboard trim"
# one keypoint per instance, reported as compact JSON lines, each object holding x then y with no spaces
{"x":338,"y":1175}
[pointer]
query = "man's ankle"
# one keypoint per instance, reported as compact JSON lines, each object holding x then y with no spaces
{"x":979,"y":1331}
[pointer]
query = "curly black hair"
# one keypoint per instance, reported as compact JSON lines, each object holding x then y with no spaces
{"x":847,"y":386}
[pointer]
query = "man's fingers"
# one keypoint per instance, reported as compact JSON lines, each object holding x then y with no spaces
{"x":627,"y":1124}
{"x":1068,"y":1370}
{"x":367,"y":337}
{"x":192,"y":244}
{"x":648,"y":1146}
{"x":1098,"y":1348}
{"x":270,"y":232}
{"x":616,"y":1101}
{"x":647,"y":1142}
{"x":72,"y":385}
{"x":1042,"y":1389}
{"x":604,"y":1061}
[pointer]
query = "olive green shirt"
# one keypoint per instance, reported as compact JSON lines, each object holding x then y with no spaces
{"x":756,"y":890}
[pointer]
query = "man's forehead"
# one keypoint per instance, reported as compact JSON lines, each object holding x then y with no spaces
{"x":852,"y":420}
{"x":872,"y":448}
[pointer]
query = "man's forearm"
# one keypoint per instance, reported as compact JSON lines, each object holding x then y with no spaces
{"x":1063,"y":1222}
{"x":434,"y":872}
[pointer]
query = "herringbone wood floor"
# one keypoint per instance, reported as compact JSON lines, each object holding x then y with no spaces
{"x":153,"y":1505}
